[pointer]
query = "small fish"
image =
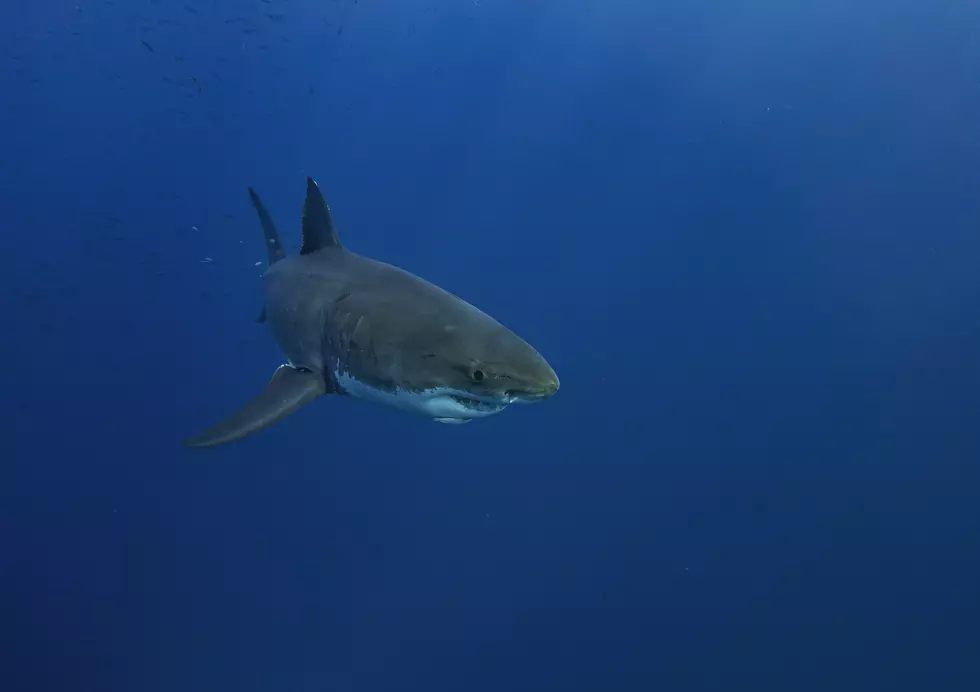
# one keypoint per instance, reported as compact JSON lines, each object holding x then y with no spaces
{"x":147,"y":46}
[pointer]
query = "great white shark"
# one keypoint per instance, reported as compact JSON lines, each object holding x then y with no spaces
{"x":354,"y":326}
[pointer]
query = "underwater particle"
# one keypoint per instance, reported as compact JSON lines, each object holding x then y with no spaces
{"x":207,"y":260}
{"x":257,"y":264}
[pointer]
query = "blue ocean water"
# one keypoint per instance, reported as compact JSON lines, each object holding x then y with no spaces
{"x":746,"y":235}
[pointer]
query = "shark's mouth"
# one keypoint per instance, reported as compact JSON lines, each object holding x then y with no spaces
{"x":478,"y":404}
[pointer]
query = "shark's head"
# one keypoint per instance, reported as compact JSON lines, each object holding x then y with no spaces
{"x":473,"y":367}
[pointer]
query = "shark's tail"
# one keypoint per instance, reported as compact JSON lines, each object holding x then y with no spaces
{"x":272,"y":243}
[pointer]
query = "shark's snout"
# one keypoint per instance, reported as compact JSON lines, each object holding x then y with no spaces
{"x":553,"y":386}
{"x":543,"y":386}
{"x":549,"y":387}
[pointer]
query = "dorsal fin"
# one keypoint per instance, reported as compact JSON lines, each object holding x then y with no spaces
{"x":318,"y":228}
{"x":272,"y":243}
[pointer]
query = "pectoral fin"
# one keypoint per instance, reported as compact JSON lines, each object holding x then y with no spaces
{"x":289,"y":390}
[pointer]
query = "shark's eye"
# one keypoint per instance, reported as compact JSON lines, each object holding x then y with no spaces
{"x":478,"y":375}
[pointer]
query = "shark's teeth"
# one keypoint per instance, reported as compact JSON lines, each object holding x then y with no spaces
{"x":437,"y":403}
{"x":475,"y":404}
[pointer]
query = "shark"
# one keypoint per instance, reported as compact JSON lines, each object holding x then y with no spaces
{"x":353,"y":326}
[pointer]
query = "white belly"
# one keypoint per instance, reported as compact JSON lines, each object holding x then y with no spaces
{"x":438,"y":404}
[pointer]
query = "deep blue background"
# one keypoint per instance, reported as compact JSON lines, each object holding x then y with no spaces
{"x":746,"y":235}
